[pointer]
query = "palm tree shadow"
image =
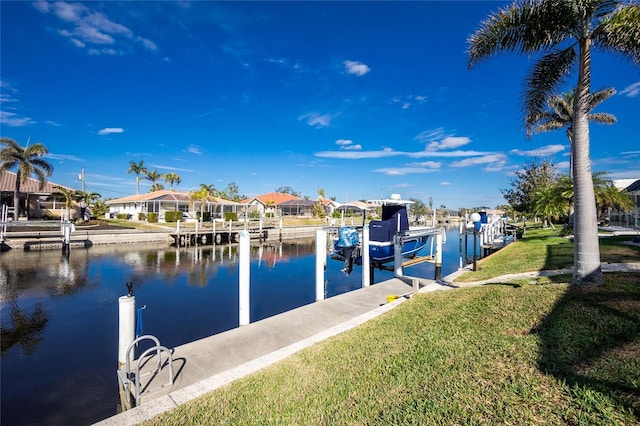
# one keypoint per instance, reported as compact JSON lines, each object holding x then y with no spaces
{"x":591,"y":340}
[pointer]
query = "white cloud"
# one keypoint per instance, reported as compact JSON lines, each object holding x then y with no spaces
{"x":62,"y":157}
{"x":563,"y":165}
{"x":428,"y":164}
{"x":194,"y":149}
{"x":399,"y":171}
{"x":12,"y":119}
{"x":110,"y":130}
{"x":445,"y":183}
{"x":449,"y":142}
{"x":317,"y":120}
{"x":356,"y":68}
{"x":176,"y":169}
{"x":388,"y":152}
{"x":86,"y":28}
{"x":343,"y":142}
{"x":431,"y":135}
{"x":494,"y":162}
{"x":539,"y":152}
{"x":631,"y":91}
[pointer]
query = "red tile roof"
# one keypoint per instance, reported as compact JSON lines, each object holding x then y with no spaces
{"x":32,"y":186}
{"x":271,"y":197}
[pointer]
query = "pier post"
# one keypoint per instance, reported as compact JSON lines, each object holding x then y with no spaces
{"x":244,"y":277}
{"x":321,"y":262}
{"x":178,"y":233}
{"x":366,"y":261}
{"x":126,"y":331}
{"x":438,"y":256}
{"x":397,"y":256}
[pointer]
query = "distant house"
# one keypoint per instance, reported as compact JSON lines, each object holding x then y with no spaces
{"x":265,"y":205}
{"x":35,"y":202}
{"x":163,"y":201}
{"x":632,"y":217}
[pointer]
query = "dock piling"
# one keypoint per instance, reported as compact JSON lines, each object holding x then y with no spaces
{"x":244,"y":277}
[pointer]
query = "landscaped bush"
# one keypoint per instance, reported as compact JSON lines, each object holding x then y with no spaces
{"x":172,"y":216}
{"x":269,"y":214}
{"x":206,"y":216}
{"x":152,"y":217}
{"x":141,"y":216}
{"x":254,"y":215}
{"x":231,"y":216}
{"x":122,"y":216}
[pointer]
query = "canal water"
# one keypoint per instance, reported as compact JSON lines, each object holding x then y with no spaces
{"x":59,"y":315}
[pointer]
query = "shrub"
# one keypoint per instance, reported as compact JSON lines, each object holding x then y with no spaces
{"x":141,"y":216}
{"x":231,"y":216}
{"x":172,"y":216}
{"x":122,"y":216}
{"x":152,"y":218}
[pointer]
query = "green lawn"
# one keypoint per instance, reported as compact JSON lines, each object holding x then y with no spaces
{"x":535,"y":351}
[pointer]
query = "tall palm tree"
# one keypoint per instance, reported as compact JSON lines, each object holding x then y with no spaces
{"x":549,"y":203}
{"x":86,"y":198}
{"x":559,"y":114}
{"x":154,"y":177}
{"x":171,"y":179}
{"x":565,"y":31}
{"x":201,"y":195}
{"x":137,"y":168}
{"x":27,"y":161}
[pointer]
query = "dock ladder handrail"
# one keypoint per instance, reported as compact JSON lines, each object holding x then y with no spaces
{"x":128,"y":377}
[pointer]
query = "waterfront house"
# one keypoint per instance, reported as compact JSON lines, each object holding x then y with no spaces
{"x":266,"y":205}
{"x":631,"y":217}
{"x":139,"y":206}
{"x":36,"y":202}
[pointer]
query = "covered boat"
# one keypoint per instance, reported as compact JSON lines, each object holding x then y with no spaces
{"x":394,"y":220}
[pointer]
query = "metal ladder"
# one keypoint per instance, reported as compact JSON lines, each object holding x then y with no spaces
{"x":130,"y":380}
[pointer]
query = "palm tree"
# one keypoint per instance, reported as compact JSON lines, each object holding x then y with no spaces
{"x":28,"y":161}
{"x":138,"y":169}
{"x":549,"y":203}
{"x":201,"y":195}
{"x":171,"y":179}
{"x":565,"y":31}
{"x":86,"y":198}
{"x":560,"y":114}
{"x":154,"y":177}
{"x":69,"y":197}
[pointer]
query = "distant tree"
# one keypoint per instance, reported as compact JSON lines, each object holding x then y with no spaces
{"x":559,"y":114}
{"x":69,"y":197}
{"x":318,"y":206}
{"x":211,"y":188}
{"x":201,"y":195}
{"x":27,"y":161}
{"x":172,"y":179}
{"x":154,"y":176}
{"x":418,"y":207}
{"x":548,"y":203}
{"x":533,"y":177}
{"x":156,"y":187}
{"x":138,"y":169}
{"x":87,"y":198}
{"x":288,"y":190}
{"x":232,"y":192}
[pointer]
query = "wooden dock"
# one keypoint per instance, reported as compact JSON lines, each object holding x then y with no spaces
{"x":189,"y":237}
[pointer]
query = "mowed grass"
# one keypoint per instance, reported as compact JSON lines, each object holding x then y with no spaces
{"x":544,"y":249}
{"x":534,"y":351}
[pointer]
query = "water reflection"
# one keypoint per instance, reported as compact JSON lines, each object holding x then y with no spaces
{"x":59,"y":314}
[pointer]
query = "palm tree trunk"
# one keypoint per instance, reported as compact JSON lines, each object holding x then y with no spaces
{"x":586,"y":269}
{"x":16,"y":196}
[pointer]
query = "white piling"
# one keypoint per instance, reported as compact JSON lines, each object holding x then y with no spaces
{"x":366,"y":261}
{"x":397,"y":256}
{"x":126,"y":332}
{"x":438,"y":273}
{"x":321,"y":262}
{"x":244,"y":277}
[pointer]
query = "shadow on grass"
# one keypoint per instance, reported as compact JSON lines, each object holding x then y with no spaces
{"x":591,"y":341}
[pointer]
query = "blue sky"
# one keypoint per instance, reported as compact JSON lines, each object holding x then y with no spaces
{"x":363,"y":99}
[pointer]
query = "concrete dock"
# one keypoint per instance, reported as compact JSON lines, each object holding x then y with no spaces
{"x":207,"y":364}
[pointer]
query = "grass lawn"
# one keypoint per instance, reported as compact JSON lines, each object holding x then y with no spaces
{"x":534,"y":351}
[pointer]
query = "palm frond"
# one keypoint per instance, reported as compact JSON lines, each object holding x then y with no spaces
{"x":619,"y":32}
{"x":549,"y":72}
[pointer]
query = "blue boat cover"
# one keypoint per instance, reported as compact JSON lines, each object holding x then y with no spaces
{"x":384,"y":230}
{"x":347,"y":237}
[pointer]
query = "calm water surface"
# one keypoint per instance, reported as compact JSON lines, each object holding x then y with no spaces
{"x":59,"y":315}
